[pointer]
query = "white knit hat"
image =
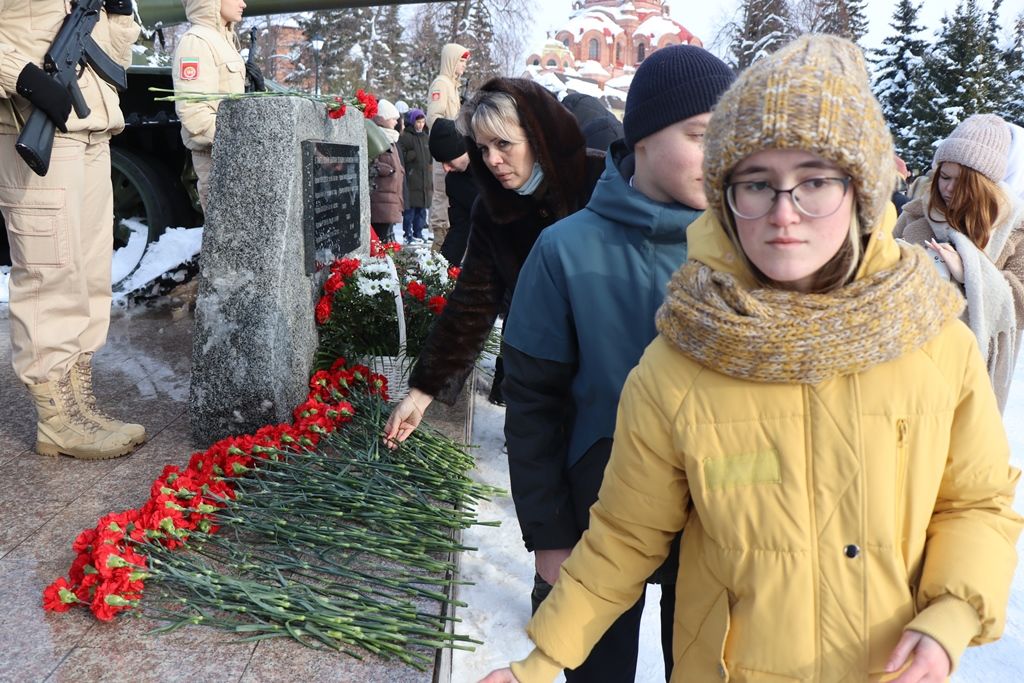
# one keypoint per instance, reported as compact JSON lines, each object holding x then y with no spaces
{"x":386,"y":110}
{"x":980,"y":142}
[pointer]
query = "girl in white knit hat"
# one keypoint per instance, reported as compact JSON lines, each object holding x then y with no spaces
{"x":974,"y":228}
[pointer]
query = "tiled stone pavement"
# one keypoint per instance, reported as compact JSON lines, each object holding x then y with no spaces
{"x":143,"y":375}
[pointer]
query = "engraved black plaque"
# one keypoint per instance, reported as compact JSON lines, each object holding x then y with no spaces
{"x":330,"y":201}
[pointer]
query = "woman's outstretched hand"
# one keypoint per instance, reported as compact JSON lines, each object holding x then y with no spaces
{"x":500,"y":676}
{"x":931,"y":663}
{"x":406,"y":417}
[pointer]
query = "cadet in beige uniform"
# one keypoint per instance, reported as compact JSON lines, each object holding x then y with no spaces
{"x":207,"y":60}
{"x":443,"y":102}
{"x":60,"y":227}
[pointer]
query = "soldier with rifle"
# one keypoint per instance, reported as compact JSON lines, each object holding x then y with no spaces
{"x":57,"y":202}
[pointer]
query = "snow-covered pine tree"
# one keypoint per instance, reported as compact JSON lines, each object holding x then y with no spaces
{"x":424,"y":56}
{"x":1012,"y":107}
{"x":764,"y":27}
{"x":343,"y":58}
{"x":386,"y":74}
{"x":841,"y":18}
{"x":478,"y":37}
{"x":964,"y":64}
{"x":898,"y":76}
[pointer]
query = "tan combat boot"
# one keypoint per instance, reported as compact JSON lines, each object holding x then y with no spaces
{"x":81,"y":383}
{"x":62,"y":428}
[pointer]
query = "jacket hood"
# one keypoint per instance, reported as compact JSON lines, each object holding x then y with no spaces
{"x":557,"y":143}
{"x":204,"y":13}
{"x":450,"y":56}
{"x":710,"y":244}
{"x":616,"y":201}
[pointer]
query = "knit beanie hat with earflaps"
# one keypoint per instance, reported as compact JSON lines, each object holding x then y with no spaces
{"x":981,"y":142}
{"x":813,"y":95}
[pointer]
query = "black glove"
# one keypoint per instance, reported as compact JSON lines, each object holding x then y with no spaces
{"x":118,"y":7}
{"x":255,"y":76}
{"x":36,"y":86}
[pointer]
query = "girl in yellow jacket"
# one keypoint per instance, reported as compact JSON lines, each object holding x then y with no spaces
{"x":813,"y":415}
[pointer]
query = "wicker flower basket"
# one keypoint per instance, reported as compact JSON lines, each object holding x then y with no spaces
{"x":395,"y":369}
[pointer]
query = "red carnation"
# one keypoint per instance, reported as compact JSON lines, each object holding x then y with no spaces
{"x":323,"y":309}
{"x":333,"y":284}
{"x":417,"y":289}
{"x":336,"y":112}
{"x":58,"y":597}
{"x":454,"y":272}
{"x":345,"y":267}
{"x":369,"y":103}
{"x":437,"y":304}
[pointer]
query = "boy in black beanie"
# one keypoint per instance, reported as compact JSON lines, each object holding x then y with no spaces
{"x":448,"y":148}
{"x":584,"y":312}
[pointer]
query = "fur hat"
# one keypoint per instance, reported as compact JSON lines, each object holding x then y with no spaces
{"x":446,"y":143}
{"x":673,"y":84}
{"x":981,"y":142}
{"x":814,"y":95}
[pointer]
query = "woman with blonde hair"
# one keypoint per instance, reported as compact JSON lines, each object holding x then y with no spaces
{"x":974,"y":227}
{"x":813,"y":416}
{"x":532,"y":167}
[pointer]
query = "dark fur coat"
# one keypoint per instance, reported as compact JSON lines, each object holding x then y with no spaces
{"x":504,"y":227}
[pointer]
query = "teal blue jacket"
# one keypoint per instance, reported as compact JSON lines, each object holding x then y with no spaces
{"x":588,"y":293}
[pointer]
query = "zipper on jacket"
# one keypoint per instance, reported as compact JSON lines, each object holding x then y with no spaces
{"x":901,"y":480}
{"x":815,"y":562}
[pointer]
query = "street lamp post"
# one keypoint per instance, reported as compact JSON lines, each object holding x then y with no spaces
{"x":317,"y":44}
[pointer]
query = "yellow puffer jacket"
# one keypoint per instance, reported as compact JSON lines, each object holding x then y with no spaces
{"x":206,"y":60}
{"x":820,"y":520}
{"x":26,"y":31}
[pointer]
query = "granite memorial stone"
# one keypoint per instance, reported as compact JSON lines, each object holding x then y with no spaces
{"x":255,"y":336}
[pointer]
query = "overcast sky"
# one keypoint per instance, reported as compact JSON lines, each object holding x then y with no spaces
{"x":705,"y":18}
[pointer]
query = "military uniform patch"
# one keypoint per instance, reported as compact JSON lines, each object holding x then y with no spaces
{"x":188,"y":69}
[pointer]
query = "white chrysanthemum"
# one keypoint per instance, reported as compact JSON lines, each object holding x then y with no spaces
{"x":432,"y":263}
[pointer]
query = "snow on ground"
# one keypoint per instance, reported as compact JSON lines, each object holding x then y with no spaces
{"x":502,"y":571}
{"x":174,"y":247}
{"x":135,"y":265}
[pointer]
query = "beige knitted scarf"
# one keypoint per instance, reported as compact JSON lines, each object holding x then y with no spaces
{"x":772,"y":335}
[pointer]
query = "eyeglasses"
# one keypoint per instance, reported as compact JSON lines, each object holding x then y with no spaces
{"x":814,"y":197}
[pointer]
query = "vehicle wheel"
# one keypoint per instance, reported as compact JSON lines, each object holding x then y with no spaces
{"x":143,"y":191}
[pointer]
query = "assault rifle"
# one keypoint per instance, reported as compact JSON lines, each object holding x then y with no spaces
{"x":73,"y":48}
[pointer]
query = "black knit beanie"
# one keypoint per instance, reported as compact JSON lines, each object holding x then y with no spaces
{"x":446,"y":143}
{"x":672,"y":84}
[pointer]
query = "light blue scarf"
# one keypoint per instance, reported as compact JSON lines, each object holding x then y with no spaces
{"x":531,"y":184}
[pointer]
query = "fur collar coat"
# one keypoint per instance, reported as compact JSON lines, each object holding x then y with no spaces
{"x":504,"y":226}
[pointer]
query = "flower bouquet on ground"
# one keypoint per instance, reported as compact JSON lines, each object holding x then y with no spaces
{"x":381,"y":309}
{"x":312,"y":531}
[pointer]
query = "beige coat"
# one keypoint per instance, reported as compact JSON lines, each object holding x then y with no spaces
{"x":206,"y":60}
{"x":26,"y":31}
{"x":821,"y":520}
{"x":994,"y":291}
{"x":443,"y":99}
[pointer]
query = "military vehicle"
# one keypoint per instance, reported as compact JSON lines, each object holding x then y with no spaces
{"x":150,"y":166}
